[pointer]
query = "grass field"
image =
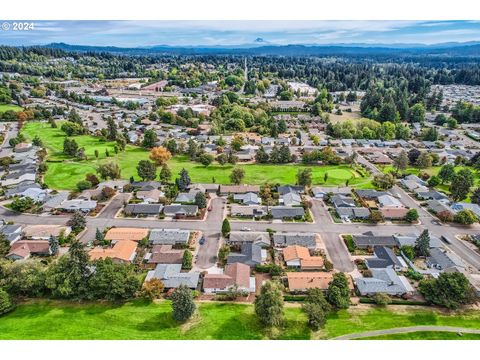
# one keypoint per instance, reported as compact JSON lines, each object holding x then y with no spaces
{"x":64,"y":173}
{"x":6,"y":107}
{"x":138,"y":320}
{"x":422,"y":335}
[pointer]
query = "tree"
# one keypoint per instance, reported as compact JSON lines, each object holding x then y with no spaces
{"x":6,"y":303}
{"x":412,"y":215}
{"x":93,"y":179}
{"x":375,"y":216}
{"x":160,"y":156}
{"x":465,"y":217}
{"x":77,"y":222}
{"x":450,"y":289}
{"x":237,"y":142}
{"x":109,"y":170}
{"x":475,"y":197}
{"x":409,"y":251}
{"x":317,"y":308}
{"x":187,"y":260}
{"x":54,"y":245}
{"x":165,"y":174}
{"x":446,"y":173}
{"x":37,"y":141}
{"x":84,"y":185}
{"x":112,"y":281}
{"x":269,"y":304}
{"x":4,"y":245}
{"x":99,"y":235}
{"x":383,"y":181}
{"x":417,"y":113}
{"x":261,"y":155}
{"x":413,"y":155}
{"x":70,"y":147}
{"x":96,"y":153}
{"x":338,"y":291}
{"x":22,"y":204}
{"x":434,"y":181}
{"x":237,"y":175}
{"x":200,"y":200}
{"x":401,"y":161}
{"x":183,"y":305}
{"x":146,"y":170}
{"x":111,"y":129}
{"x":382,"y":299}
{"x":206,"y":159}
{"x":152,"y":289}
{"x":304,"y":177}
{"x":149,"y":139}
{"x":225,"y":227}
{"x":222,"y":159}
{"x":424,"y":160}
{"x":461,"y":184}
{"x":184,"y":181}
{"x":68,"y":276}
{"x":422,"y":244}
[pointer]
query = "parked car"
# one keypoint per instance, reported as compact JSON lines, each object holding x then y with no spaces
{"x":202,"y":241}
{"x":246,"y":229}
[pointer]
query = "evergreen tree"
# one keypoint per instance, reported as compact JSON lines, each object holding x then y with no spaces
{"x":200,"y":200}
{"x":422,"y":244}
{"x":225,"y":227}
{"x":338,"y":292}
{"x":183,"y":305}
{"x":54,"y":245}
{"x":165,"y":174}
{"x":184,"y":181}
{"x":269,"y":304}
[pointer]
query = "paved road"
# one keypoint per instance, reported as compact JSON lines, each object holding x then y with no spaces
{"x":407,"y":330}
{"x":6,"y":149}
{"x":207,"y":253}
{"x":114,"y":206}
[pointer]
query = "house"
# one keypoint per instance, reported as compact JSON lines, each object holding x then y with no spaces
{"x":169,"y":237}
{"x":11,"y":232}
{"x":177,"y":210}
{"x":410,"y":240}
{"x":370,"y":194}
{"x":430,"y":195}
{"x":186,"y":198}
{"x":384,"y":258}
{"x":248,"y":211}
{"x":385,"y":281}
{"x":438,"y":207}
{"x":299,"y":257}
{"x":340,"y":200}
{"x":245,"y":237}
{"x":251,"y":255}
{"x":121,"y":252}
{"x":290,"y":199}
{"x":123,"y":234}
{"x":303,"y":281}
{"x":53,"y":201}
{"x":44,"y":232}
{"x":353,"y":212}
{"x":238,"y":189}
{"x":298,"y":189}
{"x":37,"y":195}
{"x":466,"y":206}
{"x":318,"y":192}
{"x":20,"y":189}
{"x":23,"y":249}
{"x":286,"y":212}
{"x":143,"y":209}
{"x":235,"y":274}
{"x":164,"y":254}
{"x":150,"y":196}
{"x":16,"y":178}
{"x":393,"y":213}
{"x":172,"y":277}
{"x":23,"y":147}
{"x":206,"y":188}
{"x":308,"y":240}
{"x":388,"y":201}
{"x":77,"y":205}
{"x":369,"y":240}
{"x":442,"y":259}
{"x":249,"y":198}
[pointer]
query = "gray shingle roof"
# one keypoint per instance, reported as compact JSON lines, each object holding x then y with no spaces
{"x":383,"y":281}
{"x":168,"y":236}
{"x":143,"y":209}
{"x":250,"y":255}
{"x":384,"y":258}
{"x":369,"y":240}
{"x":172,"y":277}
{"x":280,"y":212}
{"x":290,"y":238}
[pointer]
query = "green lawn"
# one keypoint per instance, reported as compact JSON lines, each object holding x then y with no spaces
{"x":6,"y":107}
{"x":138,"y":320}
{"x":64,"y":173}
{"x":422,"y":335}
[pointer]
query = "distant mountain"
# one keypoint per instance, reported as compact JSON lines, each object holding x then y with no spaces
{"x":262,"y":47}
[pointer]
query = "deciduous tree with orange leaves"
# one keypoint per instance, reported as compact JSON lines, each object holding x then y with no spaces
{"x":159,"y":155}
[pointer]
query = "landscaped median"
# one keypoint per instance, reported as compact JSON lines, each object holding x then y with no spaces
{"x":213,"y":320}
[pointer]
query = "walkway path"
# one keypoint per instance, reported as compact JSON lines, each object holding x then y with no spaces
{"x":407,"y":330}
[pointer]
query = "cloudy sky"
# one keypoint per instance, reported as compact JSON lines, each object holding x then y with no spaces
{"x":223,"y":33}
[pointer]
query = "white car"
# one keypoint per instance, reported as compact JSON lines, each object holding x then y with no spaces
{"x":246,"y":229}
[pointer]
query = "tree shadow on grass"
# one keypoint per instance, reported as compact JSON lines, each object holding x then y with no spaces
{"x":158,"y":322}
{"x":427,"y":318}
